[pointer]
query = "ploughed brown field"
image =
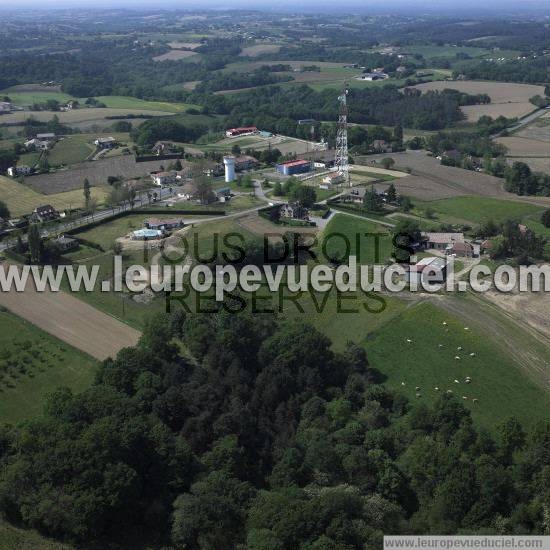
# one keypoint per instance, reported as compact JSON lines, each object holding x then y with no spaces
{"x":71,"y":320}
{"x":429,"y":180}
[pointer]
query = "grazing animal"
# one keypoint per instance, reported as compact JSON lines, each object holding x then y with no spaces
{"x":457,"y":357}
{"x":436,"y":388}
{"x":456,"y":381}
{"x":449,"y":391}
{"x":402,"y":383}
{"x":440,"y":345}
{"x":459,"y":348}
{"x":444,"y":323}
{"x":417,"y":388}
{"x":474,"y":400}
{"x":418,"y":395}
{"x":472,"y":354}
{"x":409,"y":341}
{"x":464,"y":397}
{"x":466,"y":328}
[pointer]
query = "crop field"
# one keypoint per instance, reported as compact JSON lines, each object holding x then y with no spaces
{"x":187,"y":45}
{"x":524,"y":147}
{"x":80,"y":116}
{"x":70,"y":150}
{"x":126,"y":102}
{"x":430,"y":180}
{"x":362,"y":236}
{"x":32,"y":365}
{"x":175,"y":55}
{"x":501,"y":388}
{"x":259,"y":49}
{"x":481,"y":209}
{"x":28,"y":98}
{"x":538,"y":130}
{"x":507,"y":99}
{"x":96,"y":172}
{"x":21,"y":199}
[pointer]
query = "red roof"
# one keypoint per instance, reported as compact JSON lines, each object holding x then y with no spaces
{"x":295,"y":163}
{"x":244,"y":129}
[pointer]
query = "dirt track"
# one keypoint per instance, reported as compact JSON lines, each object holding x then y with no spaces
{"x":71,"y":320}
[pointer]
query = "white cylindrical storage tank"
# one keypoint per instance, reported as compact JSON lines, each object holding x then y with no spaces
{"x":229,"y":163}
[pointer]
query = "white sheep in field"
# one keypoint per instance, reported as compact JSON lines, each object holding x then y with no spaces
{"x":472,"y":354}
{"x":417,"y":388}
{"x":418,"y":395}
{"x":449,"y":391}
{"x":467,"y":380}
{"x":457,"y":381}
{"x":457,"y":357}
{"x":459,"y":348}
{"x":466,"y":328}
{"x":409,"y":341}
{"x":444,"y":323}
{"x":402,"y":383}
{"x":440,"y":345}
{"x":464,"y":397}
{"x":436,"y":388}
{"x":474,"y":400}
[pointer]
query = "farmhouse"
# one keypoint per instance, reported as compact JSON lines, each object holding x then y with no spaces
{"x":163,"y":178}
{"x":36,"y":143}
{"x":294,"y":211}
{"x":334,"y":178}
{"x":105,"y":143}
{"x":245,"y":162}
{"x":44,"y":213}
{"x":45,"y":137}
{"x":241,"y":131}
{"x":376,"y":75}
{"x":66,"y":243}
{"x":292,"y":167}
{"x":163,"y":148}
{"x":431,"y":269}
{"x":441,"y":241}
{"x":462,"y":249}
{"x":355,"y":194}
{"x":163,"y":225}
{"x":15,"y":171}
{"x":5,"y":107}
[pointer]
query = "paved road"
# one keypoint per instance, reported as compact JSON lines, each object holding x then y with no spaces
{"x":524,"y":121}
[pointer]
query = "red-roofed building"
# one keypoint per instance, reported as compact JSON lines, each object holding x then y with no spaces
{"x":241,"y":131}
{"x":292,"y":167}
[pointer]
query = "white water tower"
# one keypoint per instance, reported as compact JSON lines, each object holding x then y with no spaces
{"x":229,"y":163}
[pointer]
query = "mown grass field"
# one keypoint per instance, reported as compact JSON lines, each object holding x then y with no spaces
{"x":501,"y":388}
{"x":350,"y":236}
{"x":479,"y":209}
{"x":32,"y":365}
{"x":70,"y":150}
{"x":27,"y":98}
{"x":126,"y":102}
{"x":23,"y":200}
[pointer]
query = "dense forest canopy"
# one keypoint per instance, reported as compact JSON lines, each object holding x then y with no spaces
{"x":266,"y":437}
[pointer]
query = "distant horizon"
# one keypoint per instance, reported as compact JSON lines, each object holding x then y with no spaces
{"x":447,"y":7}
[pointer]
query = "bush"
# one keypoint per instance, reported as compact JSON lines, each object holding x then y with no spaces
{"x":545,"y":219}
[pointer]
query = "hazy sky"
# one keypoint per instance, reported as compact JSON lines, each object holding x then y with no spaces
{"x":460,"y":6}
